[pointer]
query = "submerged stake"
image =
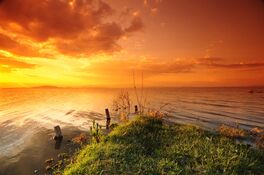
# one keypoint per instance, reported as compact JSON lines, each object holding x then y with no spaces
{"x":108,"y":118}
{"x":136,"y":109}
{"x":58,"y":134}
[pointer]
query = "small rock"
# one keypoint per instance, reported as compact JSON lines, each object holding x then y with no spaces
{"x":56,"y":166}
{"x":48,"y":168}
{"x":36,"y":171}
{"x":58,"y":173}
{"x":60,"y":162}
{"x":62,"y":155}
{"x":49,"y":160}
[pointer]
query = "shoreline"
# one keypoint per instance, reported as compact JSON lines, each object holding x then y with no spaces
{"x":39,"y":148}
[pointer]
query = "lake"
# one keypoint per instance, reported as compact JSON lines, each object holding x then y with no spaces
{"x":27,"y":116}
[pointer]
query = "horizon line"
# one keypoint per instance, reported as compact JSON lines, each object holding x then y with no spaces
{"x":104,"y":87}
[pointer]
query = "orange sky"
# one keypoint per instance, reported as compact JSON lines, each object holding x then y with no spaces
{"x":99,"y":43}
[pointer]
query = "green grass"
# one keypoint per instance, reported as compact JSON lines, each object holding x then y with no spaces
{"x":146,"y":146}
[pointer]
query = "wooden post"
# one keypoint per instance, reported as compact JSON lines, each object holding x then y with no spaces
{"x":136,"y":109}
{"x":108,"y":118}
{"x":58,"y":144}
{"x":58,"y":134}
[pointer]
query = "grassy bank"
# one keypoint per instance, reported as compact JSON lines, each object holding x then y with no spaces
{"x":147,"y":146}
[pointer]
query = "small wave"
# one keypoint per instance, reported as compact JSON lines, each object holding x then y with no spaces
{"x":209,"y":104}
{"x":69,"y":112}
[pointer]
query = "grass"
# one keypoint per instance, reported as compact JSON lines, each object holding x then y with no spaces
{"x":147,"y":146}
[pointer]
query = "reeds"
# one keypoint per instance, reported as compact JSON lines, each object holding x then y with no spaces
{"x":141,"y":97}
{"x":95,"y":132}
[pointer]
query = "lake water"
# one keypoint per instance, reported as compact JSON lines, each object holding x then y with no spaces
{"x":27,"y":116}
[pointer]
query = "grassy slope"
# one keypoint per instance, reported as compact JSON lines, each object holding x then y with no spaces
{"x":146,"y":146}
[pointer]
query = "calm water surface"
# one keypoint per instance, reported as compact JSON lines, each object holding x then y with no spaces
{"x":27,"y":116}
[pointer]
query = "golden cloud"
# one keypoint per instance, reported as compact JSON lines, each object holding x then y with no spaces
{"x":9,"y":64}
{"x":73,"y":27}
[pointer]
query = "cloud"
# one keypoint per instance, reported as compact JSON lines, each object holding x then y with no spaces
{"x":154,"y":11}
{"x":218,"y":62}
{"x":75,"y":27}
{"x":182,"y":66}
{"x":53,"y":18}
{"x":6,"y":42}
{"x":9,"y":64}
{"x":153,"y":67}
{"x":194,"y":65}
{"x":150,"y":67}
{"x":151,"y":2}
{"x":176,"y":66}
{"x":240,"y":65}
{"x":136,"y":25}
{"x":102,"y":39}
{"x":167,"y":68}
{"x":209,"y":60}
{"x":10,"y":45}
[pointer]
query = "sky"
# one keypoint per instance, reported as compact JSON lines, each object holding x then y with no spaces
{"x":103,"y":43}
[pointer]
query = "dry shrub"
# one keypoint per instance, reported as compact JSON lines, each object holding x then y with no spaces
{"x":231,"y":131}
{"x":122,"y":105}
{"x":80,"y":139}
{"x":123,"y":117}
{"x":260,"y":141}
{"x":257,"y":131}
{"x":156,"y":114}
